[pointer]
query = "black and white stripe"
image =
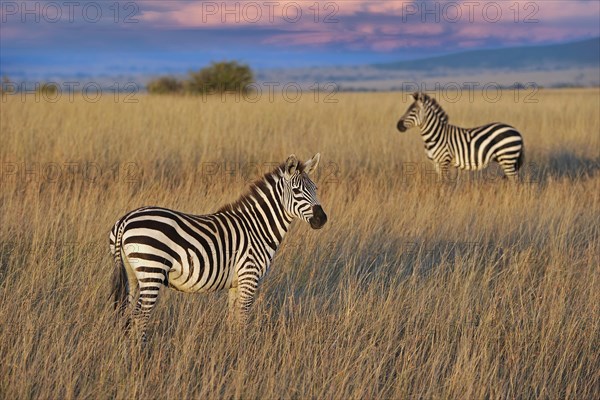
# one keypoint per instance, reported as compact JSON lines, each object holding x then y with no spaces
{"x":468,"y":149}
{"x":230,"y":249}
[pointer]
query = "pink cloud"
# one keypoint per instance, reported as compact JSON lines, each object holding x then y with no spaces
{"x":390,"y":44}
{"x":235,"y":13}
{"x":378,"y":25}
{"x":518,"y":33}
{"x":364,"y":22}
{"x":412,"y":30}
{"x":310,"y":38}
{"x":548,"y":11}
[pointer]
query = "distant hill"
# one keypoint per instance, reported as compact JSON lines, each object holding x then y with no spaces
{"x":585,"y":53}
{"x":574,"y":64}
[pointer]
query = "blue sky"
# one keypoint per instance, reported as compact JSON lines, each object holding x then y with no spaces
{"x":94,"y":38}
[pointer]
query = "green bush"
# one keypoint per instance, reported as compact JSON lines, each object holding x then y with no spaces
{"x":164,"y":85}
{"x":48,"y":89}
{"x":220,"y":77}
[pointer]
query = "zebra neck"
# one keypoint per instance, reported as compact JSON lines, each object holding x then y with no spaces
{"x":263,"y":209}
{"x":433,"y":131}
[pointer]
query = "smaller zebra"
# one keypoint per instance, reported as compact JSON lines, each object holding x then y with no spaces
{"x":465,"y":148}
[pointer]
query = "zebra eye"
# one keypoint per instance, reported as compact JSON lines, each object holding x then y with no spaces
{"x":296,"y":191}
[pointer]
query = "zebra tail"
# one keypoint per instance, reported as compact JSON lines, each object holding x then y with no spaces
{"x":120,"y":283}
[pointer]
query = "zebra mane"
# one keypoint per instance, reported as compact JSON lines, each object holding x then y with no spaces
{"x":434,"y":106}
{"x":260,"y":184}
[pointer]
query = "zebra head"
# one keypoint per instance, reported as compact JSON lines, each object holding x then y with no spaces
{"x":415,"y":115}
{"x":300,"y":192}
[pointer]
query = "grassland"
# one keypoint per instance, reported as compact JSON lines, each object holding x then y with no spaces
{"x":473,"y":289}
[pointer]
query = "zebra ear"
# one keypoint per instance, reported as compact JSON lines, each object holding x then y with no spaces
{"x":311,"y":165}
{"x":291,"y":164}
{"x":418,"y":96}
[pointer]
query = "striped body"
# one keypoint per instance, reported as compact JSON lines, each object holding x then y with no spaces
{"x":468,"y":149}
{"x":230,"y":249}
{"x":192,"y":253}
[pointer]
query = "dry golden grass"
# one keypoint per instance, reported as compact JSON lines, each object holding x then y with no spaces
{"x":413,"y":290}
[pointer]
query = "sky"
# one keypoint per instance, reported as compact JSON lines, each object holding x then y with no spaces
{"x":104,"y":38}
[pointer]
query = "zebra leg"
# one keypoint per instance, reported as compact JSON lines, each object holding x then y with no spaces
{"x":510,"y":170}
{"x":133,"y":287}
{"x":144,"y":306}
{"x":442,"y":171}
{"x":232,"y":300}
{"x":245,"y":297}
{"x":438,"y":171}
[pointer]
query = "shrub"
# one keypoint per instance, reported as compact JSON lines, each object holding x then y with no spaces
{"x":220,"y":77}
{"x":49,"y":89}
{"x":164,"y":85}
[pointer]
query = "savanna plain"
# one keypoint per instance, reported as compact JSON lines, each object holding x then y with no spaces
{"x":473,"y":288}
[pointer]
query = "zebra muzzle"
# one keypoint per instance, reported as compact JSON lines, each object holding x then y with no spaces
{"x":401,"y":126}
{"x":319,"y":218}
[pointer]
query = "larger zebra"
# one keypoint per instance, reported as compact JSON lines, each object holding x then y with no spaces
{"x":230,"y":249}
{"x":469,"y":149}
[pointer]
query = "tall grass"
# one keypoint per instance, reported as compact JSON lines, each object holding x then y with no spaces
{"x":472,"y":289}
